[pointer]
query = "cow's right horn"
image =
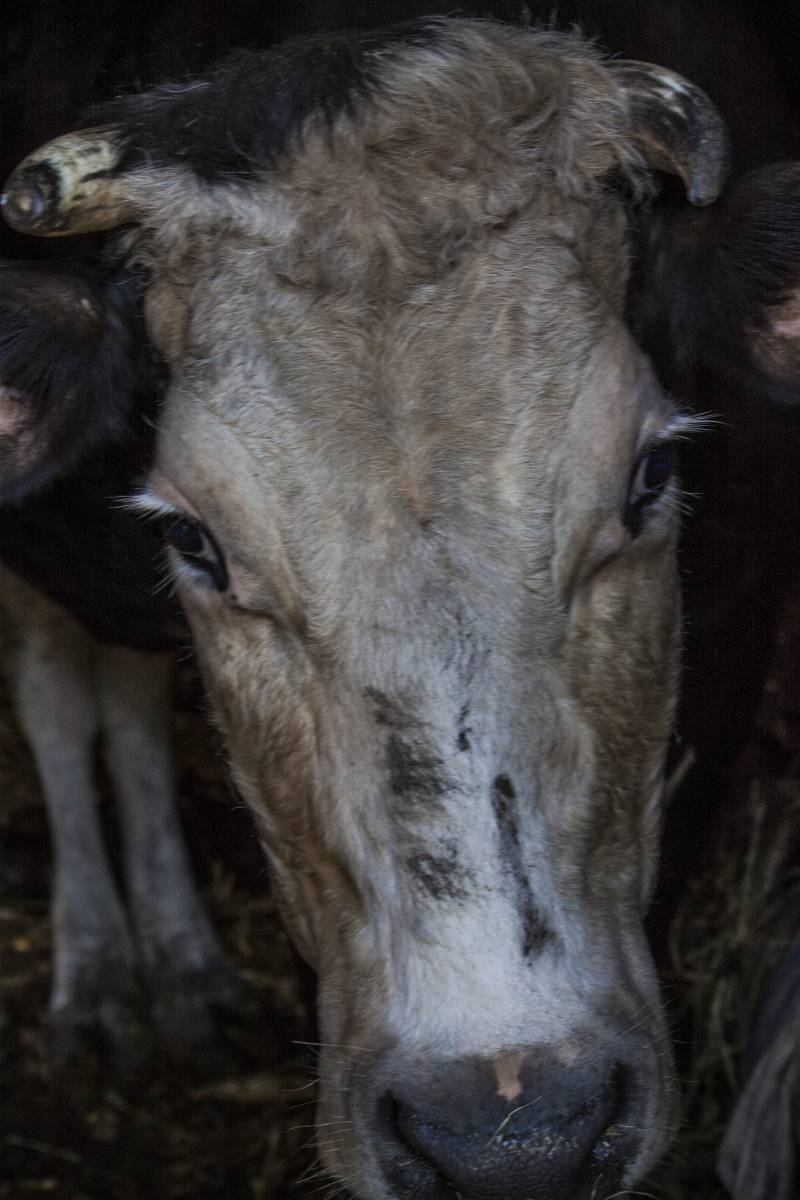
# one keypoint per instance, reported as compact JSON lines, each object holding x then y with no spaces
{"x":68,"y":186}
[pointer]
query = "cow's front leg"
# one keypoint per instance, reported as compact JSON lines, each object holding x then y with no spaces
{"x":96,"y":1004}
{"x":189,"y":977}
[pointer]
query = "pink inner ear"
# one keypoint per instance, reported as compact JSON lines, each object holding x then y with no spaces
{"x":12,"y":411}
{"x":788,"y":328}
{"x":777,"y":345}
{"x":786,"y":319}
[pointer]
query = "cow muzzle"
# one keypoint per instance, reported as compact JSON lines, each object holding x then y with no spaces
{"x":522,"y":1126}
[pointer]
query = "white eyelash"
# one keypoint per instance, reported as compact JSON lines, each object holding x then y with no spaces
{"x":681,"y":426}
{"x":149,"y":506}
{"x":675,"y":499}
{"x":152,"y":508}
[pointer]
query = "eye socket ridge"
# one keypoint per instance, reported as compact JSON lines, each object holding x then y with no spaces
{"x":650,"y":477}
{"x":196,"y":548}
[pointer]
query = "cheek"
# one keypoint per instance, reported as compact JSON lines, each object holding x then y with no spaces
{"x":629,"y":610}
{"x":234,"y":664}
{"x":624,"y":646}
{"x":167,"y":317}
{"x":262,"y":696}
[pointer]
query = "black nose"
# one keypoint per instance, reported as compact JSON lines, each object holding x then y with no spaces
{"x":555,"y":1140}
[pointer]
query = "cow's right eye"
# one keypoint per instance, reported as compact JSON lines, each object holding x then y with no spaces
{"x":197,"y":550}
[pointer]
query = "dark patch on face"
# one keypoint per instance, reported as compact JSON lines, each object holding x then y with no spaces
{"x":440,"y":875}
{"x":415,"y":772}
{"x":534,"y":931}
{"x":387,"y":712}
{"x":252,"y":109}
{"x":412,"y":771}
{"x":505,"y":787}
{"x":464,"y":731}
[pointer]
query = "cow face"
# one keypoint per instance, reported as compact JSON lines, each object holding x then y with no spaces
{"x":417,"y":484}
{"x":431,"y":578}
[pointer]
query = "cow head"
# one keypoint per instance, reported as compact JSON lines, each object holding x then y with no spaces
{"x":416,"y":478}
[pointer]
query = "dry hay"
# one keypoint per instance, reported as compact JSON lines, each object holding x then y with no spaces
{"x":735,"y":924}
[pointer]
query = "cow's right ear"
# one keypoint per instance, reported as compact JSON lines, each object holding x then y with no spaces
{"x":69,"y":369}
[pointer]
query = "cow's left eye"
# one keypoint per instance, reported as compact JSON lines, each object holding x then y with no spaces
{"x":197,"y":550}
{"x":651,"y":475}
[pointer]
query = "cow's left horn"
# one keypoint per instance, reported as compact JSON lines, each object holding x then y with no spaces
{"x":67,"y":186}
{"x":677,"y":127}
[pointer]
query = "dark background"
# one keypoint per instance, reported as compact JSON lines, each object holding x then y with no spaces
{"x":241,"y":1135}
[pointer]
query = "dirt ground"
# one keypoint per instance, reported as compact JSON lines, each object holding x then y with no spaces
{"x":238,"y":1136}
{"x":246,"y":1135}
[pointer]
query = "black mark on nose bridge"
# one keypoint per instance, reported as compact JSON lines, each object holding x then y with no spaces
{"x":440,"y":874}
{"x":416,"y":773}
{"x":534,"y":931}
{"x":464,"y":730}
{"x":505,"y":788}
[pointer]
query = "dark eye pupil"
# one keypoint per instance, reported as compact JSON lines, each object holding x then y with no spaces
{"x":197,"y":548}
{"x":651,"y":474}
{"x":185,"y":537}
{"x":658,"y":468}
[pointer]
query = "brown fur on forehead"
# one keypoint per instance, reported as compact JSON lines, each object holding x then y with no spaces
{"x":323,"y":429}
{"x":451,"y":142}
{"x":347,"y":431}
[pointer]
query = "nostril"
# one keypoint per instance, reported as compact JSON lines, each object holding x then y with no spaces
{"x":413,"y":1171}
{"x":420,"y":1135}
{"x":540,"y":1148}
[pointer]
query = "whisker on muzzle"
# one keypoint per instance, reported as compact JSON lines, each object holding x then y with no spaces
{"x":508,"y":1117}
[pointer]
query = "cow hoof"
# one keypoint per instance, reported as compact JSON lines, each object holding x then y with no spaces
{"x":101,"y":1039}
{"x":195,"y":1010}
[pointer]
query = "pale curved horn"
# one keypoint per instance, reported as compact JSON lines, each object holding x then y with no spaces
{"x":67,"y":186}
{"x":676,"y":127}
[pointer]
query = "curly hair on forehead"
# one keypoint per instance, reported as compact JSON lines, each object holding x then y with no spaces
{"x":426,"y":142}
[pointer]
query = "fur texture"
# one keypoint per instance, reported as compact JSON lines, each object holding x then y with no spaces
{"x":73,"y":358}
{"x":253,"y":107}
{"x":389,"y":282}
{"x":404,"y":403}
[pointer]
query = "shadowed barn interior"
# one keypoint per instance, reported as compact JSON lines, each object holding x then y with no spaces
{"x":234,"y":1118}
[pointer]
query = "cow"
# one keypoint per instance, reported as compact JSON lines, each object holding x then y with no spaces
{"x":417,"y":482}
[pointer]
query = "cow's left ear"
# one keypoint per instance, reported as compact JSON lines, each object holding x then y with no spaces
{"x":719,"y":289}
{"x":760,"y":256}
{"x":71,"y":365}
